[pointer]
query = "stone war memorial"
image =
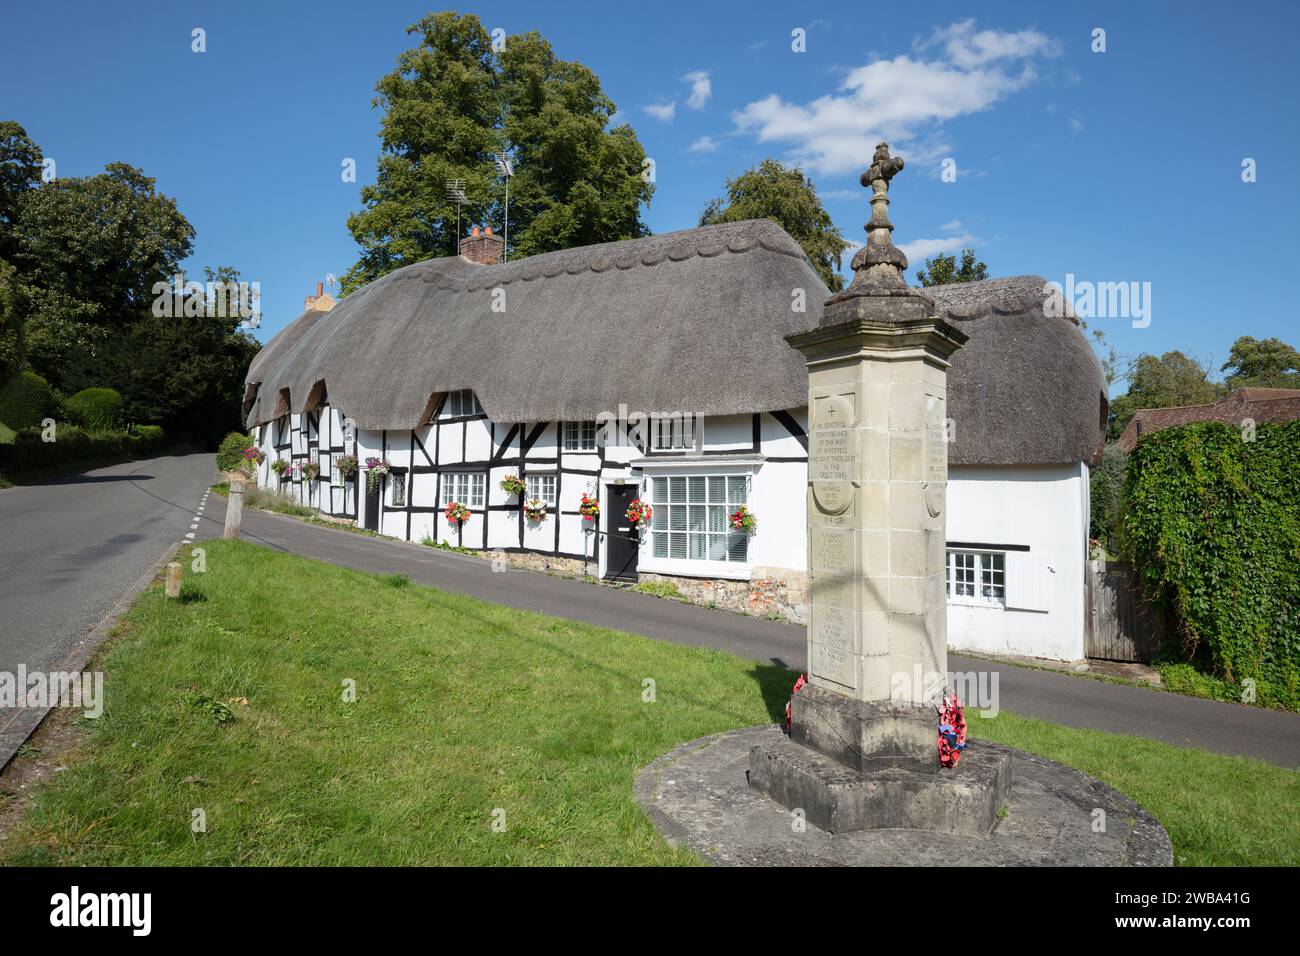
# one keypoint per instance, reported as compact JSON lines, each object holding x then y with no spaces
{"x":857,"y":779}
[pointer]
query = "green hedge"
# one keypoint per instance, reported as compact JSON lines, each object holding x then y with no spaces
{"x":25,"y":400}
{"x":1212,"y":524}
{"x":95,"y":409}
{"x":73,"y":444}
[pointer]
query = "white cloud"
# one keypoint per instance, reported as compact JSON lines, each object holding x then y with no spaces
{"x":967,"y":49}
{"x":701,"y":89}
{"x":1076,"y":124}
{"x":918,"y":250}
{"x":902,"y":100}
{"x":951,"y":226}
{"x":705,"y":144}
{"x":662,"y":111}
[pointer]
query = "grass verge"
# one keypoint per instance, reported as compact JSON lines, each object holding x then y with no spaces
{"x":233,"y":701}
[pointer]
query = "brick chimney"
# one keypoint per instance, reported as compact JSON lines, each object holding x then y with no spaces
{"x":483,"y":247}
{"x":322,"y":301}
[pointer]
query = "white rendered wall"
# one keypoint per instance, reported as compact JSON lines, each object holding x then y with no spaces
{"x":1046,"y":508}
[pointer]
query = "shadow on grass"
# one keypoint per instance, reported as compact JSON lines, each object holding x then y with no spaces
{"x":775,"y":682}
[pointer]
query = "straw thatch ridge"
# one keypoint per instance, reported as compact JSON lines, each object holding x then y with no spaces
{"x":690,"y":321}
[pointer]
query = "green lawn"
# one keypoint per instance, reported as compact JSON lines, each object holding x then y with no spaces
{"x":463,"y":708}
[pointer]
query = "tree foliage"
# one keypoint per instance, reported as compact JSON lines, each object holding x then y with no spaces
{"x":783,"y":194}
{"x":77,"y":289}
{"x":1163,"y":381}
{"x":451,"y":107}
{"x":1262,"y":363}
{"x":944,"y":270}
{"x":1212,"y":524}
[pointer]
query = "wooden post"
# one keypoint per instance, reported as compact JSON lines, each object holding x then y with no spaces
{"x":174,"y":580}
{"x":234,"y":508}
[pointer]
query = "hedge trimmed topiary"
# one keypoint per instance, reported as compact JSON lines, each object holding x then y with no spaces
{"x":95,"y":409}
{"x":1212,"y":525}
{"x":73,"y":444}
{"x":230,"y":455}
{"x":25,"y":400}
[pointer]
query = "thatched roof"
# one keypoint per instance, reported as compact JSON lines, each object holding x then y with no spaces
{"x":691,"y":321}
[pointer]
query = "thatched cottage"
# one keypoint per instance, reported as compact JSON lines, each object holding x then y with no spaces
{"x":657,"y":370}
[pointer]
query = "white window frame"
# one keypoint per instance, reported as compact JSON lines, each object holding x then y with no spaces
{"x":987,"y":573}
{"x":724,"y":489}
{"x":668,"y":432}
{"x":579,"y":436}
{"x":459,"y":486}
{"x":536,"y":487}
{"x":459,"y":401}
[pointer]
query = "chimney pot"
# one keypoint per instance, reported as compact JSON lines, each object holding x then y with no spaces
{"x":487,"y":230}
{"x":474,"y":232}
{"x":320,"y":289}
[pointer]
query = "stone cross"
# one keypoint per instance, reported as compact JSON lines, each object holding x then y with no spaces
{"x":877,"y":473}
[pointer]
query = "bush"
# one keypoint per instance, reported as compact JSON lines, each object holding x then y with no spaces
{"x":230,"y":455}
{"x":95,"y":409}
{"x":73,"y":443}
{"x":25,"y":400}
{"x":1212,"y":525}
{"x":1106,"y":483}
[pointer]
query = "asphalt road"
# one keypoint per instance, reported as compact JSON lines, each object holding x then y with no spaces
{"x":72,"y":549}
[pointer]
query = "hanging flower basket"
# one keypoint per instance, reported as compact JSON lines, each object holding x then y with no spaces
{"x":311,"y":470}
{"x":456,"y":512}
{"x":253,"y":457}
{"x":742,"y":519}
{"x":347,"y":465}
{"x":279,"y":466}
{"x":512,"y":485}
{"x":589,"y":509}
{"x":376,"y":468}
{"x":639,"y":513}
{"x":535,"y":509}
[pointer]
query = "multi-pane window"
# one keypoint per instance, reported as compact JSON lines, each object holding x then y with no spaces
{"x":464,"y":402}
{"x":579,"y":436}
{"x":464,"y":487}
{"x":541,"y":487}
{"x":977,"y":576}
{"x":692,"y":517}
{"x":672,"y":432}
{"x":397,"y":489}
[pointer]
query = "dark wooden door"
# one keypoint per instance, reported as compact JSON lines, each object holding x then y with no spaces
{"x":622,"y":541}
{"x":372,"y":504}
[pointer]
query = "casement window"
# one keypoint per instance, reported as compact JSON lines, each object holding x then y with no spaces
{"x":692,"y":517}
{"x":464,"y":487}
{"x":541,"y":487}
{"x":673,"y":432}
{"x":579,"y":436}
{"x":397,"y":489}
{"x":461,"y":403}
{"x":976,"y":577}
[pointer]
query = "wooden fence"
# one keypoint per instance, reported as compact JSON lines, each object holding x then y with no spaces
{"x":1119,"y":626}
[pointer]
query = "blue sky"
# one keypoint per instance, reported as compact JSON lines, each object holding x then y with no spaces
{"x":1120,"y":166}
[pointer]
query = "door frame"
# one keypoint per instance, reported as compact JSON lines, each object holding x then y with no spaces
{"x":616,"y":532}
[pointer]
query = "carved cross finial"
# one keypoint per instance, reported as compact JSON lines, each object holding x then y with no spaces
{"x":883,"y":166}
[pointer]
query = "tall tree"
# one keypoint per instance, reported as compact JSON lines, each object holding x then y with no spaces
{"x":944,"y":270}
{"x":783,"y":194}
{"x":452,"y":106}
{"x":1163,"y":381}
{"x":91,"y":249}
{"x":1262,"y":363}
{"x":20,"y":173}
